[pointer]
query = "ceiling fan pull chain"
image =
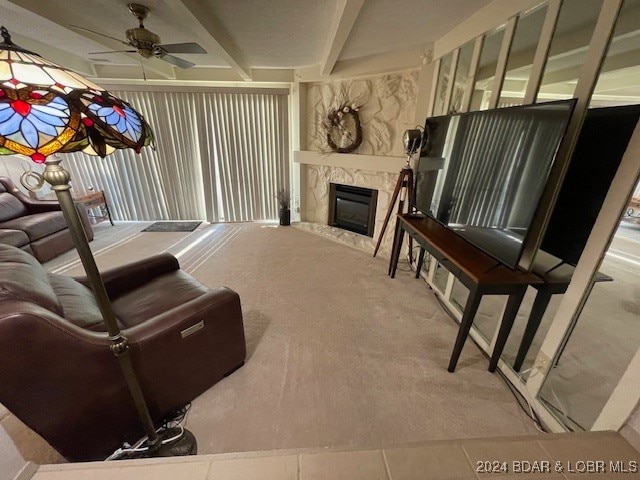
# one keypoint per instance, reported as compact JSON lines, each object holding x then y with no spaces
{"x":144,"y":75}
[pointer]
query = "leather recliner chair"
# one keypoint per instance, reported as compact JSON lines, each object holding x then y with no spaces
{"x":57,"y":373}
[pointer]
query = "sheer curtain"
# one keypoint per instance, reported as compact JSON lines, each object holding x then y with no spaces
{"x":220,"y":156}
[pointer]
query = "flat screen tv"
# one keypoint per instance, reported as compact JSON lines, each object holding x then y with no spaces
{"x":601,"y":144}
{"x":482,"y":173}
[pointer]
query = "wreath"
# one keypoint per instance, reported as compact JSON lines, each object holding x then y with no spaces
{"x":343,"y":128}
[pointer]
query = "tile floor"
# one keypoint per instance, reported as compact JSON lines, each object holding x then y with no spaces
{"x":580,"y":455}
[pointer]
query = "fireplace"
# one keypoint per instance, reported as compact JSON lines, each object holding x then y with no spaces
{"x":352,"y":208}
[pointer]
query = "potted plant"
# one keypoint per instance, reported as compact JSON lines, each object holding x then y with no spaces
{"x":284,"y":201}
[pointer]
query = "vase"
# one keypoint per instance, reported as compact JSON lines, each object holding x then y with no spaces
{"x":285,"y":216}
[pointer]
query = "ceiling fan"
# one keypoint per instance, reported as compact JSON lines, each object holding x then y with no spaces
{"x":147,"y":43}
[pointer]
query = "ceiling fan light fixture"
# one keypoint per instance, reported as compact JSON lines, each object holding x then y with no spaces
{"x":147,"y":44}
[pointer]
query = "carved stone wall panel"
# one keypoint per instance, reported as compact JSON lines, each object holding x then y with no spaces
{"x":387,"y":106}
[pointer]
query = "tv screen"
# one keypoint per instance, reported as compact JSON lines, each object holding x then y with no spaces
{"x":482,"y":173}
{"x":601,"y":144}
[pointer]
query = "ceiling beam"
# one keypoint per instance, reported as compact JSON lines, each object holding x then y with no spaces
{"x":215,"y":38}
{"x":65,"y":17}
{"x":343,"y":21}
{"x":394,"y":61}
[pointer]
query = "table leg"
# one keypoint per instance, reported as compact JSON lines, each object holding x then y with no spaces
{"x":540,"y":305}
{"x":397,"y":246}
{"x":106,"y":207}
{"x":510,"y":312}
{"x":470,"y":309}
{"x":420,"y":262}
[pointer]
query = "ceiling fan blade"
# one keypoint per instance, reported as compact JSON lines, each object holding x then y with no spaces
{"x":182,"y":48}
{"x":178,"y":62}
{"x":101,"y":34}
{"x":112,"y":51}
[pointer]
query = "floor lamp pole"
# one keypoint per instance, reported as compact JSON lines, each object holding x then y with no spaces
{"x":59,"y":179}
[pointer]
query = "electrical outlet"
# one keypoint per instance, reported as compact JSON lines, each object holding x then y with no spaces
{"x":542,"y":362}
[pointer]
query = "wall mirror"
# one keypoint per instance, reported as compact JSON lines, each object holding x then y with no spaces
{"x":462,"y":78}
{"x":521,"y":54}
{"x":568,"y":50}
{"x":605,"y":336}
{"x":443,"y":83}
{"x":485,"y":76}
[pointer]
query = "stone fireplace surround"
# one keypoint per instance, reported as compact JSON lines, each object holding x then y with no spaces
{"x":319,"y":169}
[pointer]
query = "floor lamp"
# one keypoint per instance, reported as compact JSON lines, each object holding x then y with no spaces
{"x":46,"y":109}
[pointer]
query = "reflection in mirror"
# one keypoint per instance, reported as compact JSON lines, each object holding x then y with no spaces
{"x":605,"y":337}
{"x":520,"y":60}
{"x":443,"y":82}
{"x":440,"y":278}
{"x":462,"y":77}
{"x":486,"y":70}
{"x":459,"y":295}
{"x":568,"y":50}
{"x":619,"y":80}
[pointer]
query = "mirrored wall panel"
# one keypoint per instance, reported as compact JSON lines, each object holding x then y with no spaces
{"x":485,"y":76}
{"x":521,"y":54}
{"x":606,"y":335}
{"x":462,"y":77}
{"x":604,"y":338}
{"x":443,"y":83}
{"x":619,"y":80}
{"x":568,"y":50}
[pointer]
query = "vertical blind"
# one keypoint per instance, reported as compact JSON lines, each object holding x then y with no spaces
{"x":500,"y":168}
{"x":219,"y":157}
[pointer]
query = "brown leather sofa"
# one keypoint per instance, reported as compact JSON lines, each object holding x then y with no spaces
{"x":36,"y":226}
{"x":57,"y":373}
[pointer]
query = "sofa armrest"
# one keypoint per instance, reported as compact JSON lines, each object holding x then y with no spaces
{"x":132,"y":275}
{"x":37,"y":206}
{"x":219,"y":302}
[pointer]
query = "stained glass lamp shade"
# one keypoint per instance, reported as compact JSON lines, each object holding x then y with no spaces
{"x":46,"y":109}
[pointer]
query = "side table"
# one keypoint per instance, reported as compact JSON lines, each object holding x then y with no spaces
{"x":95,"y":200}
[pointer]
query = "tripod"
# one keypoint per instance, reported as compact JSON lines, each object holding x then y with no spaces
{"x":404,"y":187}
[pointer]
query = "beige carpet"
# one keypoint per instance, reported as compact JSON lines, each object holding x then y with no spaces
{"x":338,"y":353}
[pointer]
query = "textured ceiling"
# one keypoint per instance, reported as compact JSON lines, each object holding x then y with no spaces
{"x":250,"y":33}
{"x":387,"y":25}
{"x":280,"y":34}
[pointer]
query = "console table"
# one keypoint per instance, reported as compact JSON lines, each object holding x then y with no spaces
{"x":95,"y":200}
{"x":479,"y":272}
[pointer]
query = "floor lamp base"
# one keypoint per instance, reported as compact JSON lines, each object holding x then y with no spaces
{"x":185,"y":444}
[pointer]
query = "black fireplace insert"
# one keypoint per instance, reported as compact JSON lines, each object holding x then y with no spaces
{"x":352,"y":208}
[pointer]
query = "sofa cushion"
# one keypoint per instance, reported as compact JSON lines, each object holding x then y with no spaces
{"x":10,"y":206}
{"x":152,"y":299}
{"x":23,"y":278}
{"x":38,"y":225}
{"x":78,"y":303}
{"x":17,"y":238}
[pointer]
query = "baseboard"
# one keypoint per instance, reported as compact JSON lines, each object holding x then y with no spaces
{"x":27,"y":472}
{"x":631,"y":436}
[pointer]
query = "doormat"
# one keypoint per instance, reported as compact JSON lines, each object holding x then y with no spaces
{"x":172,"y":227}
